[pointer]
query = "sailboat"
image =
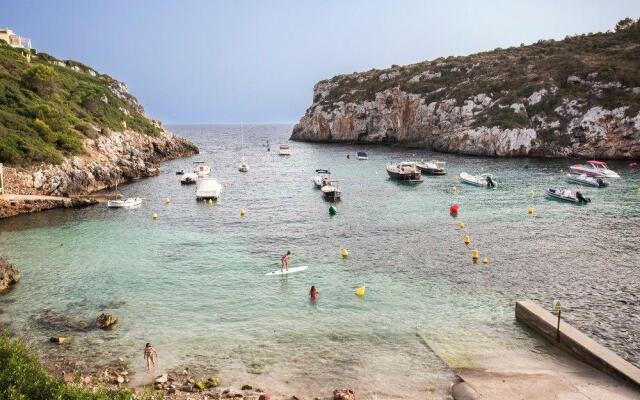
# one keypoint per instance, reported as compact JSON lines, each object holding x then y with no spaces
{"x":124,"y":203}
{"x":243,"y":167}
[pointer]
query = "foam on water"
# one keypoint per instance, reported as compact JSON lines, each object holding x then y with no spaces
{"x":192,"y":282}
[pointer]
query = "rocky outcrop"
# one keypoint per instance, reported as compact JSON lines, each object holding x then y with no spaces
{"x":10,"y":208}
{"x":9,"y":275}
{"x":106,"y":321}
{"x":550,"y":99}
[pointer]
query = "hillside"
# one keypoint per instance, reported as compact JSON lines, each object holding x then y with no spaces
{"x":66,"y":129}
{"x":576,"y":97}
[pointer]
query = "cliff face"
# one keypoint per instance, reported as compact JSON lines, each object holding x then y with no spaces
{"x":66,"y":129}
{"x":575,"y":97}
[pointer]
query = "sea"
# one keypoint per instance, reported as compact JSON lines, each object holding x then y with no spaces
{"x":192,"y":282}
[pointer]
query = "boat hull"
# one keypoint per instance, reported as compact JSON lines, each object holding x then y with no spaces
{"x":405,"y":177}
{"x":588,"y":181}
{"x":554,"y":195}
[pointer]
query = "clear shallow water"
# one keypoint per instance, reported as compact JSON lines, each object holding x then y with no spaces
{"x":193,"y":281}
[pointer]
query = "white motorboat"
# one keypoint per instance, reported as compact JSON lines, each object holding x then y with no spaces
{"x":594,"y":168}
{"x":243,"y":167}
{"x":566,"y":195}
{"x":285,"y":150}
{"x":208,"y":188}
{"x":362,"y":155}
{"x":432,"y":167}
{"x":323,"y":175}
{"x":586,"y":180}
{"x":478,"y":180}
{"x":125,"y":203}
{"x":406,"y":171}
{"x":189,"y":178}
{"x":331,"y":190}
{"x":201,"y":168}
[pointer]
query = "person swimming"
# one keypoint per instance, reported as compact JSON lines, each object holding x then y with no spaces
{"x":284,"y":261}
{"x":313,"y":293}
{"x":150,"y":356}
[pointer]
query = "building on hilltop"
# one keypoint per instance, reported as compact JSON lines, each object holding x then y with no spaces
{"x":14,"y":40}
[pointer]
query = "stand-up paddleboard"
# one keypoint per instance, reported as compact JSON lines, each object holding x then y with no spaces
{"x":287,"y":271}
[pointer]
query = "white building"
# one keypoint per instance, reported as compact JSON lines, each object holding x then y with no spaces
{"x":14,"y":40}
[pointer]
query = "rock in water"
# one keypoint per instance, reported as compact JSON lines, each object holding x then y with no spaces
{"x":106,"y":321}
{"x":9,"y":275}
{"x":344,"y":394}
{"x":162,"y":378}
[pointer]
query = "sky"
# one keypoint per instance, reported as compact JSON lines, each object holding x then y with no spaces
{"x":214,"y":61}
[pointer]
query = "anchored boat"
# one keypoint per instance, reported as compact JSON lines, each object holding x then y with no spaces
{"x":406,"y":171}
{"x":331,"y":190}
{"x":594,"y":168}
{"x":362,"y":155}
{"x":478,"y":180}
{"x":323,"y":175}
{"x":208,"y":188}
{"x":566,"y":195}
{"x":285,"y":150}
{"x":432,"y":167}
{"x":587,"y":180}
{"x":126,"y":203}
{"x":201,"y":168}
{"x":189,"y":178}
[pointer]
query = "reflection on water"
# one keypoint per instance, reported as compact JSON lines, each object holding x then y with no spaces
{"x":192,"y":281}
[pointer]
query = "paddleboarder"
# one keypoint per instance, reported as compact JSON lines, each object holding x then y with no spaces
{"x":284,"y":261}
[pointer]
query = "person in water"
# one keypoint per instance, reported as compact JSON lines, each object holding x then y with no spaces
{"x":313,"y":293}
{"x":581,"y":198}
{"x":284,"y":261}
{"x":490,"y":183}
{"x":150,"y":356}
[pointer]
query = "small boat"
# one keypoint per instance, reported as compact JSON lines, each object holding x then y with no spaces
{"x":362,"y":155}
{"x":189,"y":178}
{"x":201,"y":168}
{"x":478,"y":180}
{"x":125,"y":203}
{"x":208,"y":188}
{"x":243,"y":167}
{"x":405,"y":171}
{"x":323,"y":175}
{"x":587,"y":180}
{"x":331,"y":190}
{"x":432,"y":167}
{"x":180,"y":172}
{"x":285,"y":150}
{"x":566,"y":195}
{"x":594,"y":168}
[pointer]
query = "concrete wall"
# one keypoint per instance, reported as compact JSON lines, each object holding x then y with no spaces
{"x":575,"y":342}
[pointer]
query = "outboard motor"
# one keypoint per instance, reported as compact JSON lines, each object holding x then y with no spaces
{"x":600,"y":182}
{"x":490,"y":183}
{"x":581,"y":198}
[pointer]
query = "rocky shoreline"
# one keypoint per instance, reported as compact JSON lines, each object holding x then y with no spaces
{"x":110,"y":158}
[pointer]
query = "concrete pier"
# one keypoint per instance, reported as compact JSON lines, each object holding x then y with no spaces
{"x":575,"y":342}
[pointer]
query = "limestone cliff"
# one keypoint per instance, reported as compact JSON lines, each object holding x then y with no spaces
{"x":575,"y":97}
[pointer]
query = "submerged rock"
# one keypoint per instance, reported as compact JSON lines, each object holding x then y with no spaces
{"x":56,"y":321}
{"x":9,"y":275}
{"x":106,"y":321}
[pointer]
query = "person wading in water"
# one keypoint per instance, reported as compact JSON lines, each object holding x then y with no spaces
{"x":150,"y":356}
{"x":284,"y":261}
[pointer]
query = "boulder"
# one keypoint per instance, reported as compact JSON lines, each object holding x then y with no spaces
{"x":106,"y":321}
{"x":58,"y":339}
{"x":9,"y":275}
{"x":246,"y":387}
{"x":162,"y":378}
{"x":212,"y":382}
{"x":344,"y":394}
{"x":264,"y":396}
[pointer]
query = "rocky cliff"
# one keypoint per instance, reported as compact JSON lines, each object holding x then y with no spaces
{"x":66,"y":129}
{"x":575,"y":97}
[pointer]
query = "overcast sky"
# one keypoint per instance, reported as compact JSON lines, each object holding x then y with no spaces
{"x":191,"y":61}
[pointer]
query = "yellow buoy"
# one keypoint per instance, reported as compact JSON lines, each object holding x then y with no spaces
{"x":360,"y":291}
{"x":530,"y":210}
{"x":167,"y":200}
{"x":154,"y":215}
{"x":344,"y":253}
{"x":467,"y":240}
{"x":485,"y":260}
{"x":461,"y":225}
{"x":531,"y":193}
{"x":210,"y":201}
{"x":455,"y":190}
{"x":242,"y":212}
{"x":474,"y":255}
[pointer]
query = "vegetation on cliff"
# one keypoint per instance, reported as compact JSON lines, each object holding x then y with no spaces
{"x":48,"y":106}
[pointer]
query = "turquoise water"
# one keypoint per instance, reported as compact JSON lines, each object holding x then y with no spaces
{"x":192,"y":282}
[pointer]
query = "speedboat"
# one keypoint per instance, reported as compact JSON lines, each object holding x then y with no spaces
{"x":323,"y":175}
{"x":189,"y":178}
{"x":432,"y":167}
{"x":566,"y":195}
{"x":201,"y":168}
{"x":126,"y":203}
{"x":208,"y":188}
{"x":587,"y":180}
{"x":362,"y":155}
{"x":478,"y":180}
{"x":594,"y":168}
{"x":405,"y":171}
{"x":285,"y":150}
{"x":331,"y":190}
